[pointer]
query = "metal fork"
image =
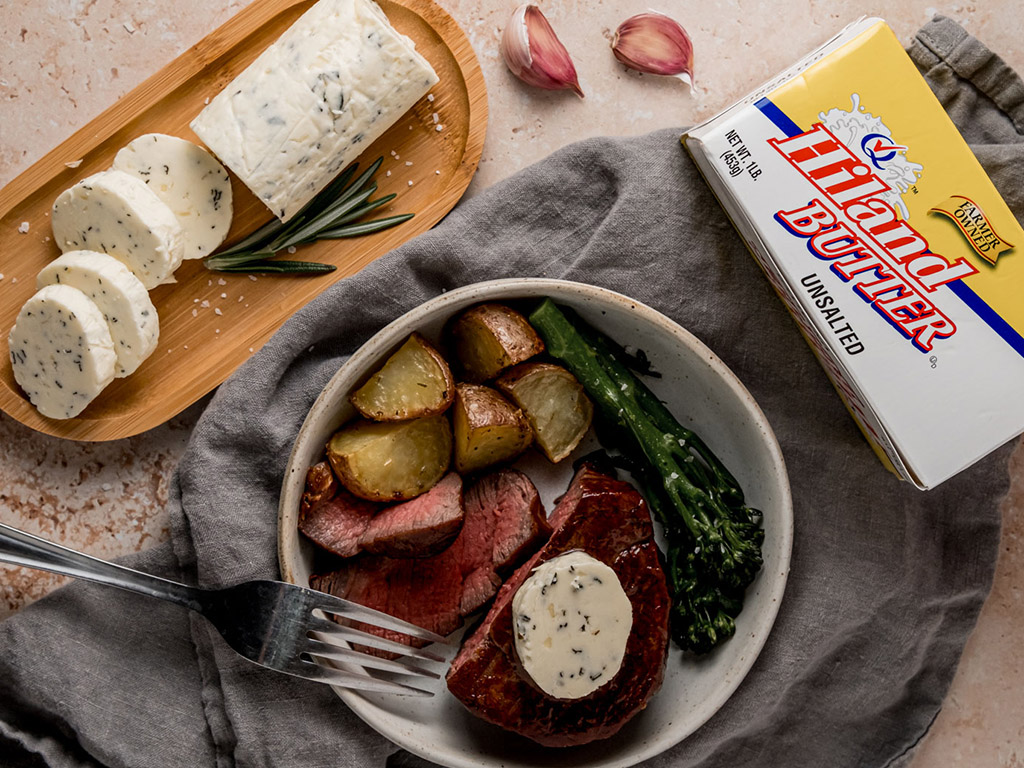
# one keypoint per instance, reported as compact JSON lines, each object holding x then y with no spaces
{"x":270,"y":623}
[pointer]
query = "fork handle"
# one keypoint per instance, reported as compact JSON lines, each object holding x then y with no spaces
{"x":21,"y":548}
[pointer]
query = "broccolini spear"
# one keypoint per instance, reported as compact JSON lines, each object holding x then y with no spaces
{"x":714,"y":538}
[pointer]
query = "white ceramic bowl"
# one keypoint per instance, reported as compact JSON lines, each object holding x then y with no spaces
{"x":706,"y":397}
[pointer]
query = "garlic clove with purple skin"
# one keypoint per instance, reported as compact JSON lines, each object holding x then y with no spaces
{"x":655,"y":43}
{"x":534,"y":54}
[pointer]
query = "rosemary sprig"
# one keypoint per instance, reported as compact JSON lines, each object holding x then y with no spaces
{"x":332,"y":214}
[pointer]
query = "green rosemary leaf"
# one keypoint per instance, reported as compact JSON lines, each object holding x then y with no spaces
{"x":359,"y":183}
{"x":364,"y":228}
{"x":258,"y":238}
{"x":281,"y":267}
{"x":362,"y":210}
{"x":222,"y":260}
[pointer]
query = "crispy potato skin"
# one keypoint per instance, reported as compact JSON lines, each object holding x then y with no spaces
{"x":488,"y":428}
{"x":489,"y":338}
{"x":557,"y":408}
{"x":321,"y":485}
{"x":415,"y":381}
{"x":391,"y":461}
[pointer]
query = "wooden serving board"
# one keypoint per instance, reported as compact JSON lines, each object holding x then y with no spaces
{"x":200,"y":347}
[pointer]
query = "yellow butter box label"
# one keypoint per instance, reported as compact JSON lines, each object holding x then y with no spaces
{"x":889,"y":244}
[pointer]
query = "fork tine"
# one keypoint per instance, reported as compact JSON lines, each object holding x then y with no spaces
{"x":319,"y":673}
{"x":349,"y":610}
{"x":330,"y":630}
{"x":320,"y":649}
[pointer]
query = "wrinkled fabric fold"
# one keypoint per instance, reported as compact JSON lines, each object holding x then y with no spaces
{"x":886,"y":581}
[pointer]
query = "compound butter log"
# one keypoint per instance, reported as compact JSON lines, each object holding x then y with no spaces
{"x":333,"y":83}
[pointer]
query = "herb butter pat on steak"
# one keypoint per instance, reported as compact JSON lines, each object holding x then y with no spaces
{"x":572,"y":623}
{"x":336,"y":80}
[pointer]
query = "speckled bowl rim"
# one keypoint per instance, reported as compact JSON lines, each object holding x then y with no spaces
{"x":446,"y":304}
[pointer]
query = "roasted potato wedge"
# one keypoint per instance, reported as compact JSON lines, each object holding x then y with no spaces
{"x":321,"y":485}
{"x":488,"y":428}
{"x":489,"y":338}
{"x":414,"y":382}
{"x":391,"y":460}
{"x":554,"y":402}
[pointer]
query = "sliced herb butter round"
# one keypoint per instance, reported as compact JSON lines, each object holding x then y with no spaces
{"x":121,"y":297}
{"x":114,"y":212}
{"x":189,"y":180}
{"x":572,"y":621}
{"x":62,"y":353}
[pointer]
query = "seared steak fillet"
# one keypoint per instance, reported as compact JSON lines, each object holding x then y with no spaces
{"x":607,"y":519}
{"x":437,"y":592}
{"x":419,"y":527}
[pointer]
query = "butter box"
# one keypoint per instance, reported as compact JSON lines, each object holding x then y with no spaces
{"x":888,"y":243}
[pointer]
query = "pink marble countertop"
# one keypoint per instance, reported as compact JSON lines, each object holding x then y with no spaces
{"x":62,"y":63}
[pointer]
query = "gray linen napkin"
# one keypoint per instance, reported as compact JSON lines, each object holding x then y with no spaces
{"x":886,"y":581}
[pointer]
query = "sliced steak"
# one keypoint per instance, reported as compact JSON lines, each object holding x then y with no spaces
{"x":514,"y":513}
{"x":424,"y":591}
{"x":607,"y":519}
{"x":337,"y":523}
{"x":420,"y":527}
{"x":505,"y":523}
{"x":437,"y":592}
